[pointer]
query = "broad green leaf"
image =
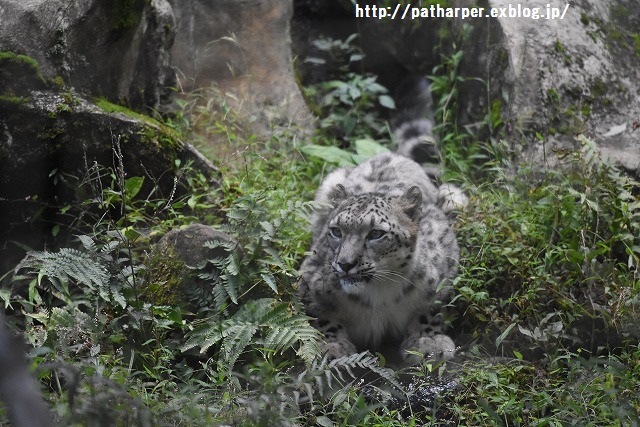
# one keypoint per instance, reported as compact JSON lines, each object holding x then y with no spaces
{"x":132,"y":186}
{"x":193,"y":201}
{"x":130,"y":234}
{"x":329,"y":154}
{"x":504,"y":334}
{"x":369,"y":148}
{"x":387,"y":102}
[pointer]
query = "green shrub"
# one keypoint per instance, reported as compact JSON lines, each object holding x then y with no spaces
{"x":549,"y":256}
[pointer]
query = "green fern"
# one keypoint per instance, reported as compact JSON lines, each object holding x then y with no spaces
{"x":365,"y":361}
{"x":67,"y":265}
{"x":323,"y":374}
{"x":256,"y":267}
{"x":258,"y":256}
{"x":235,"y":336}
{"x":71,"y":271}
{"x":264,"y":323}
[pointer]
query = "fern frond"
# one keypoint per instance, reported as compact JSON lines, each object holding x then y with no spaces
{"x":324,"y":371}
{"x":231,"y":284}
{"x":117,"y":296}
{"x":236,"y":339}
{"x":88,"y":243}
{"x":225,"y":287}
{"x":66,"y":265}
{"x":110,"y":246}
{"x":266,"y":323}
{"x":274,"y":258}
{"x":295,"y":329}
{"x":220,"y":295}
{"x":227,"y":245}
{"x":366,"y":361}
{"x":204,"y":337}
{"x":225,"y":275}
{"x":232,"y":264}
{"x":271,"y":313}
{"x":309,"y":349}
{"x":270,"y":281}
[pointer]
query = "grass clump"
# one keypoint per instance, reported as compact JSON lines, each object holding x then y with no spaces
{"x":561,"y":255}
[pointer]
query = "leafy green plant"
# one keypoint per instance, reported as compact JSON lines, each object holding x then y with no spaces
{"x":561,"y":255}
{"x":350,"y":105}
{"x":264,"y":322}
{"x":463,"y":156}
{"x":364,"y":149}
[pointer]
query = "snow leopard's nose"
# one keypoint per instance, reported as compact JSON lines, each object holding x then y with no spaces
{"x":346,"y":266}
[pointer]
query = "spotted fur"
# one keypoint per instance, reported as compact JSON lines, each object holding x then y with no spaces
{"x":382,"y":258}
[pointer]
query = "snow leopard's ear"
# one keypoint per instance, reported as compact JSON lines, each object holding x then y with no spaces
{"x":338,"y":194}
{"x":411,"y":203}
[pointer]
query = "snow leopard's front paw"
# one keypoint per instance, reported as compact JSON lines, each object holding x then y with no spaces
{"x":438,"y":346}
{"x":336,"y":349}
{"x":451,"y":198}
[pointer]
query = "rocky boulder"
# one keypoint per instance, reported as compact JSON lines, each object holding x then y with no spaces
{"x":176,"y":261}
{"x":118,"y":50}
{"x":50,"y":141}
{"x":558,"y":77}
{"x":245,"y":50}
{"x":66,"y":69}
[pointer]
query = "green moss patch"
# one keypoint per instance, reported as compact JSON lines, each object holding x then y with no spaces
{"x":166,"y":278}
{"x":19,"y":74}
{"x":128,"y":13}
{"x":153,"y":131}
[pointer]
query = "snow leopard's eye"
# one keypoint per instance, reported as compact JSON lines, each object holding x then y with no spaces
{"x":335,"y":232}
{"x":376,"y":234}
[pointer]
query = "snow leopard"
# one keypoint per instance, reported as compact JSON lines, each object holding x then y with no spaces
{"x":382,"y":258}
{"x":383,"y":251}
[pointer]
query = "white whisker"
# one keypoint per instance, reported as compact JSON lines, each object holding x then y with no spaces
{"x":392,"y":276}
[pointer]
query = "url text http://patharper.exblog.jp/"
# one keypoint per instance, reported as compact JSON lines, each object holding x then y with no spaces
{"x":410,"y":11}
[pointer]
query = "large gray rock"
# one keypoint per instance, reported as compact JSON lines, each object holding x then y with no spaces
{"x":244,"y":48}
{"x":57,"y":60}
{"x":559,"y":77}
{"x":50,"y":140}
{"x":115,"y":49}
{"x":65,"y":133}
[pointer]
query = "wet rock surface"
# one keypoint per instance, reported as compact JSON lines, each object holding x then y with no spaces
{"x":49,"y":139}
{"x":559,"y":78}
{"x":420,"y":394}
{"x":245,"y":50}
{"x":117,"y":50}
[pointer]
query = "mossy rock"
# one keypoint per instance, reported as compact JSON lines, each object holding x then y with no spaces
{"x":176,"y":261}
{"x":51,"y":134}
{"x":128,"y":14}
{"x":19,"y":75}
